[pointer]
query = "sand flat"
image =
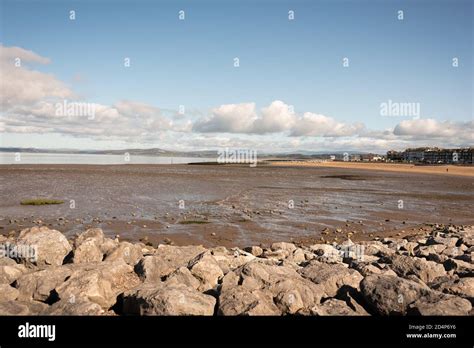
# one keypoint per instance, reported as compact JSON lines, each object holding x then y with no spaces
{"x":390,"y":167}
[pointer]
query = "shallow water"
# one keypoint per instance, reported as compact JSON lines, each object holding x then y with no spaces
{"x":240,"y":205}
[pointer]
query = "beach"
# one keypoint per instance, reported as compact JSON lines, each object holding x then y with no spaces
{"x":234,"y":205}
{"x":388,"y":167}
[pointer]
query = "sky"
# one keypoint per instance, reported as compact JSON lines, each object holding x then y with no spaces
{"x":311,"y":75}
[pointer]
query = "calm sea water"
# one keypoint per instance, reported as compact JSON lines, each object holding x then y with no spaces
{"x":56,"y":158}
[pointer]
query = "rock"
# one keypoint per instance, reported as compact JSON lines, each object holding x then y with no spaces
{"x":130,"y":253}
{"x":206,"y":269}
{"x":254,"y":250}
{"x":48,"y":247}
{"x":425,"y":251}
{"x":99,"y":283}
{"x":333,"y":307}
{"x":8,"y":293}
{"x":326,"y":253}
{"x":449,"y":242}
{"x":427,"y":271}
{"x":10,"y":271}
{"x":331,"y":277}
{"x":463,"y":287}
{"x":278,"y":255}
{"x":167,"y":299}
{"x":39,"y":285}
{"x":461,"y":268}
{"x":92,"y":234}
{"x":436,"y":303}
{"x":79,"y":307}
{"x":390,"y":295}
{"x":240,"y":301}
{"x":283,"y":246}
{"x":166,"y":259}
{"x":183,"y":276}
{"x":22,"y":308}
{"x":88,"y":251}
{"x":231,"y":259}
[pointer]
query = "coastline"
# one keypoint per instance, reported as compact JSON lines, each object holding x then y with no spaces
{"x":449,"y":170}
{"x":428,"y":274}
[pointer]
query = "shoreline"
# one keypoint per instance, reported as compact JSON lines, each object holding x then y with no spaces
{"x":388,"y":167}
{"x":433,"y":274}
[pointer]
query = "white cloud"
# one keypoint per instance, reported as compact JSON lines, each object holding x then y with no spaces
{"x":419,"y":129}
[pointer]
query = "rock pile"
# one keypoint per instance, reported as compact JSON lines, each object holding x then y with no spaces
{"x":41,"y":272}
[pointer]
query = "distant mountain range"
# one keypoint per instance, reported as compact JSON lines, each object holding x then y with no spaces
{"x":168,"y":153}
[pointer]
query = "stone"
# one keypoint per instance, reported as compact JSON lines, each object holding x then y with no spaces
{"x":427,"y":271}
{"x":229,"y":260}
{"x":436,"y":303}
{"x":459,"y":267}
{"x":22,"y":308}
{"x":50,"y":246}
{"x":390,"y":295}
{"x":8,"y":293}
{"x":11,"y":272}
{"x":283,"y":246}
{"x":241,"y":301}
{"x":333,"y":307}
{"x":99,"y":283}
{"x":39,"y":285}
{"x":254,"y":250}
{"x":206,"y":269}
{"x":463,"y":287}
{"x":92,"y":234}
{"x":183,"y":276}
{"x":88,"y":251}
{"x":126,"y":251}
{"x":167,"y":299}
{"x":331,"y":277}
{"x":79,"y":307}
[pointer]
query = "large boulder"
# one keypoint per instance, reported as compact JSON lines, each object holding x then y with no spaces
{"x":88,"y":251}
{"x":40,"y":285}
{"x":166,"y":259}
{"x":463,"y":287}
{"x":128,"y":252}
{"x":100,"y":283}
{"x":334,"y":307}
{"x":167,"y":299}
{"x":241,"y":301}
{"x":49,"y":247}
{"x":10,"y":270}
{"x":425,"y":270}
{"x":436,"y":303}
{"x":8,"y":293}
{"x":22,"y":308}
{"x":390,"y":295}
{"x":331,"y":277}
{"x":206,"y":269}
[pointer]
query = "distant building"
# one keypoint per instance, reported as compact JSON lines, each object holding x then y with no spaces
{"x":432,"y":155}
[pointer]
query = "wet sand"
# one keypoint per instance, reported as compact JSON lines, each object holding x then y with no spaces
{"x":390,"y":167}
{"x":232,"y":205}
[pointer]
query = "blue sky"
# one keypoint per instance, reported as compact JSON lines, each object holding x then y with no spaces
{"x":298,"y":62}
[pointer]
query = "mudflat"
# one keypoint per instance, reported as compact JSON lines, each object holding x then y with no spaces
{"x":233,"y":205}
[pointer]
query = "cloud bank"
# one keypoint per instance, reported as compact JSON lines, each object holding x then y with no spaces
{"x":30,"y":98}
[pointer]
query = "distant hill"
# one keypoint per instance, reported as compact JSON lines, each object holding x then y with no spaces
{"x":167,"y":153}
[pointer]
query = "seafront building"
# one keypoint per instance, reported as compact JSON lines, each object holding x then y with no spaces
{"x":432,"y":155}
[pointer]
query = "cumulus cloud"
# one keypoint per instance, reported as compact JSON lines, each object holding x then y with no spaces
{"x":278,"y":117}
{"x":434,"y":129}
{"x":30,"y":100}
